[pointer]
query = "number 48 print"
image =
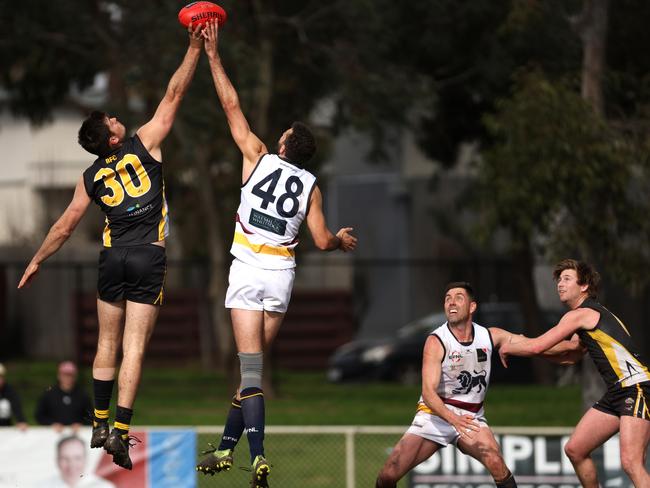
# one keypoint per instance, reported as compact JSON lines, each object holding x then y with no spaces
{"x":291,"y":193}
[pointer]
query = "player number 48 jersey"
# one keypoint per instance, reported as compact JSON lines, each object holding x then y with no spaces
{"x":274,"y":202}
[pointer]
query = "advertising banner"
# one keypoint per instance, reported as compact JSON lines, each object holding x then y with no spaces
{"x":40,"y":457}
{"x":537,"y":461}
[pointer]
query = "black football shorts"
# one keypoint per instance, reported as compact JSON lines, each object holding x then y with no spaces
{"x":134,"y":273}
{"x":629,"y":401}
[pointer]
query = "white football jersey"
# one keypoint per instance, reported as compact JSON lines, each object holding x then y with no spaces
{"x":465,"y":373}
{"x":274,"y":202}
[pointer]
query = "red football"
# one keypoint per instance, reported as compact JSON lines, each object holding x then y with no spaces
{"x":200,"y":13}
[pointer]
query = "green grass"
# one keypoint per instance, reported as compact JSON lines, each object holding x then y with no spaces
{"x":190,"y":396}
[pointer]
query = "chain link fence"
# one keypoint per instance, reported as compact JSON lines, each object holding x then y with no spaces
{"x":309,"y":457}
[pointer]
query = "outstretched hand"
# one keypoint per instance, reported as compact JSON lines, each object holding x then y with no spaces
{"x":348,"y":241}
{"x":211,"y":36}
{"x":195,"y":34}
{"x":28,"y":275}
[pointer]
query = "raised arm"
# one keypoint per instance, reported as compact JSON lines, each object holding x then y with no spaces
{"x":154,"y":132}
{"x":249,"y":144}
{"x":323,"y":238}
{"x":432,"y":358}
{"x":59,"y":232}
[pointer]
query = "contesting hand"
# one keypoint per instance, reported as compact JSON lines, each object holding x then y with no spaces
{"x":211,"y":36}
{"x":348,"y":241}
{"x":196,"y":35}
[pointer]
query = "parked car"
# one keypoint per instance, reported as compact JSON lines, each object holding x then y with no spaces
{"x":399,"y":358}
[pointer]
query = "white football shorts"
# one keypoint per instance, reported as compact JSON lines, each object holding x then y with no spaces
{"x":435,"y":429}
{"x":252,"y":288}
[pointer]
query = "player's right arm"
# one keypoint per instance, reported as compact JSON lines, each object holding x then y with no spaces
{"x":432,"y":357}
{"x":249,"y":144}
{"x":59,"y":232}
{"x":154,"y":132}
{"x":323,"y":237}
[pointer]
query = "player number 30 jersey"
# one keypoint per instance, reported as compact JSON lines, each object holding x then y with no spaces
{"x":274,"y":202}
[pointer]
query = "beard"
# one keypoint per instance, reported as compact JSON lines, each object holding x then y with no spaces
{"x":458,"y":319}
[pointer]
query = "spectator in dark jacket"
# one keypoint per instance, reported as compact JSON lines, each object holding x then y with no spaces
{"x":65,"y":403}
{"x":10,"y":406}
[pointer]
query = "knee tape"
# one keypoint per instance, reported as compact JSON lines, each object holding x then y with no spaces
{"x":251,"y":369}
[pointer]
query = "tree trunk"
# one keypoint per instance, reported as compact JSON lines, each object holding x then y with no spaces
{"x":591,"y":26}
{"x":525,"y":265}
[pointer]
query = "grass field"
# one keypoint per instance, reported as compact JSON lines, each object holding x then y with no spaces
{"x":190,"y":396}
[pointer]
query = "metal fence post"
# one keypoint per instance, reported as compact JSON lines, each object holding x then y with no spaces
{"x":349,"y":458}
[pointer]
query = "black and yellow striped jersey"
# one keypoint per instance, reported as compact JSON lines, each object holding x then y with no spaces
{"x":612,"y":349}
{"x":128,"y":186}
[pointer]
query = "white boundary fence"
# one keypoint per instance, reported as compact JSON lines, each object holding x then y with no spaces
{"x":306,"y":457}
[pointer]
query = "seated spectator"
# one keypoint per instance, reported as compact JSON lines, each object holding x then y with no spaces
{"x":64,"y":403}
{"x":10,"y":406}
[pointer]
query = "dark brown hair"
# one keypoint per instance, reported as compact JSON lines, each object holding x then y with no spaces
{"x":461,"y":284}
{"x":587,"y":275}
{"x":94,"y":134}
{"x":300,"y":145}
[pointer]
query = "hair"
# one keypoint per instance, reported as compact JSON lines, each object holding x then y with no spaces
{"x":65,"y":440}
{"x":300,"y":145}
{"x":587,"y":275}
{"x":94,"y":134}
{"x":464,"y":285}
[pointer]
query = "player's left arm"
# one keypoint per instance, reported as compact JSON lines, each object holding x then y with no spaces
{"x":154,"y":132}
{"x":59,"y":232}
{"x":570,"y":323}
{"x":564,"y":352}
{"x":251,"y":147}
{"x":320,"y":233}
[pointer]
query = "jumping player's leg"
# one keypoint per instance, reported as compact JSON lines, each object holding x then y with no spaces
{"x":409,"y":451}
{"x":592,"y":431}
{"x":139,"y":325}
{"x":635,"y":434}
{"x":483,"y":447}
{"x":249,"y":330}
{"x":111,"y":326}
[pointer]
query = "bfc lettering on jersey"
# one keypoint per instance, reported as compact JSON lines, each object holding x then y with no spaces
{"x":613,"y":351}
{"x":129,"y":188}
{"x":465,"y":369}
{"x":274,"y":203}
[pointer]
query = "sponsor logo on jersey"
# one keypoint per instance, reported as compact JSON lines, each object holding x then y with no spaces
{"x":136,"y":210}
{"x":455,"y":356}
{"x":267,"y":222}
{"x":481,"y":355}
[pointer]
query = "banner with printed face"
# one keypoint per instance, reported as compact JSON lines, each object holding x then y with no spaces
{"x":40,"y":457}
{"x":537,"y":461}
